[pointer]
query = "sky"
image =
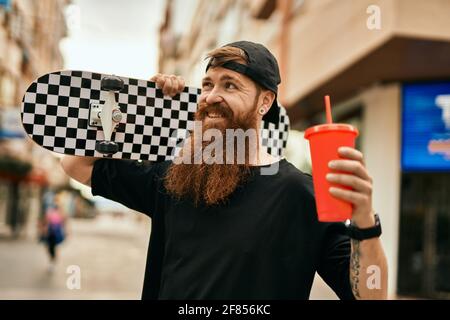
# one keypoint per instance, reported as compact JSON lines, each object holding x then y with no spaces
{"x":114,"y":37}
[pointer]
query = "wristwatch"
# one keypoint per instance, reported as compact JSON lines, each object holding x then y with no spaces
{"x":363,"y":234}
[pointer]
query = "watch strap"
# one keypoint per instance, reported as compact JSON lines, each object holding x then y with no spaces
{"x":365,"y":233}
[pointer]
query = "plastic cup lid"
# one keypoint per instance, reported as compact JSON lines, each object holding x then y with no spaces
{"x":331,"y":127}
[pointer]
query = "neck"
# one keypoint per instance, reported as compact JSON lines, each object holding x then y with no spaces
{"x":261,"y":157}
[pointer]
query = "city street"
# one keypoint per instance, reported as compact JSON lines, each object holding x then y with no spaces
{"x":110,"y":253}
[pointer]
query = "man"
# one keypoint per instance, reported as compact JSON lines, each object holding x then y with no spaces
{"x":227,"y":231}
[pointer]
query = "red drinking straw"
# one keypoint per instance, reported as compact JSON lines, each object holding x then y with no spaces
{"x":328,"y":109}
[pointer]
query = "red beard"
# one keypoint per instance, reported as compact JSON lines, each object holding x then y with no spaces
{"x":212,"y":183}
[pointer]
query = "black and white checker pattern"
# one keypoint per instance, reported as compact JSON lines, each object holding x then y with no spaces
{"x":55,"y":113}
{"x":274,"y":136}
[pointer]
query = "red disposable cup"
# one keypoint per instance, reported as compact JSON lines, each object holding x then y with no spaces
{"x":324,"y":141}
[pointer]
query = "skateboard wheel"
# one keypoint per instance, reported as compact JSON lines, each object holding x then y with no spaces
{"x":112,"y":83}
{"x":106,"y":147}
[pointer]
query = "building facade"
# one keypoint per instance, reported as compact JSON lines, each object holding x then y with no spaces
{"x":30,"y":32}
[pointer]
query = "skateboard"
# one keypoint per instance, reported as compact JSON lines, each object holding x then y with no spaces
{"x":98,"y":115}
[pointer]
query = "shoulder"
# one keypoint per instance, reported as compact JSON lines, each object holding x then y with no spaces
{"x":132,"y":164}
{"x":129,"y":169}
{"x":158,"y":167}
{"x":295,"y":179}
{"x":298,"y":189}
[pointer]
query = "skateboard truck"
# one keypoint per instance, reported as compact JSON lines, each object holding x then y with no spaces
{"x":107,"y":115}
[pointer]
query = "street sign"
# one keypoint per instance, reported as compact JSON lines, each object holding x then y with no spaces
{"x":10,"y":124}
{"x":5,"y":4}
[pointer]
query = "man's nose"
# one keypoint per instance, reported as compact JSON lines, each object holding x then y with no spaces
{"x":213,"y":96}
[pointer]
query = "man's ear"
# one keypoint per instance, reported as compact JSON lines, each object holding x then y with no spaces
{"x":267,"y":99}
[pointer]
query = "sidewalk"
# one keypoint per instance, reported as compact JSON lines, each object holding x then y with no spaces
{"x":110,"y":253}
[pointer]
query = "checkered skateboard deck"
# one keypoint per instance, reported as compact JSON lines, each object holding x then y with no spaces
{"x":56,"y":115}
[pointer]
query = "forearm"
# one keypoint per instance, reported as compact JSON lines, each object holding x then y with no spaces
{"x":368,"y":266}
{"x":368,"y":269}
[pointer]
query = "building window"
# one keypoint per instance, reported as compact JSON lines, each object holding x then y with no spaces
{"x":424,"y":247}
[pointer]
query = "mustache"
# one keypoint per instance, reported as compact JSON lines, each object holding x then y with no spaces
{"x":222,"y":109}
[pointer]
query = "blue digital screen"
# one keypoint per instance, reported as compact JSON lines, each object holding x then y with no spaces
{"x":6,"y":4}
{"x":426,"y":127}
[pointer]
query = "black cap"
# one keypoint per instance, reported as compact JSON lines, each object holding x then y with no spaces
{"x":262,"y":68}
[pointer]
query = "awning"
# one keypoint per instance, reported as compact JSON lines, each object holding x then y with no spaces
{"x":32,"y":178}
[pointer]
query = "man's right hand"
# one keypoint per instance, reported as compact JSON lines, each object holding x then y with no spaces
{"x":171,"y":85}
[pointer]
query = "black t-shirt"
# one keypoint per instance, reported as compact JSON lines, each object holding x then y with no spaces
{"x":265,"y":242}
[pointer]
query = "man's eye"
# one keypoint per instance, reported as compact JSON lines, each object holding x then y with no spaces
{"x":230,"y":85}
{"x":206,"y":85}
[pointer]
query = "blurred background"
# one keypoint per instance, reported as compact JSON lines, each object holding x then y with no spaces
{"x":385,"y":64}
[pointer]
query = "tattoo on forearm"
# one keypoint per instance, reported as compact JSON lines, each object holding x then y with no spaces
{"x":355,"y":268}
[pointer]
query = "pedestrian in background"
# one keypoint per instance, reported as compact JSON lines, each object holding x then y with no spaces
{"x":53,"y":232}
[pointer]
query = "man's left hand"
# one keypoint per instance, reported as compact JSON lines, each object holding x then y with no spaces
{"x":351,"y":172}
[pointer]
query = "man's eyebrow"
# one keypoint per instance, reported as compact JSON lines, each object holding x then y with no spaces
{"x":228,"y":77}
{"x":222,"y":78}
